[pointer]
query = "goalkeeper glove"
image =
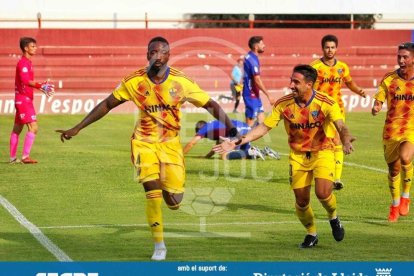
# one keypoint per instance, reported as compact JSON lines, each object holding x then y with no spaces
{"x":46,"y":87}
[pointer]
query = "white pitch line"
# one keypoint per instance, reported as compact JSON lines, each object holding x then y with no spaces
{"x":365,"y":167}
{"x":165,"y":224}
{"x":35,"y":231}
{"x":208,"y":224}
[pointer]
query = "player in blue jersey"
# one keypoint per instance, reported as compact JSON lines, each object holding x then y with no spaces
{"x":252,"y":83}
{"x":215,"y":130}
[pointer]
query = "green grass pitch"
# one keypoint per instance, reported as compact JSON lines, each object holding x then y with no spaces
{"x":83,"y":197}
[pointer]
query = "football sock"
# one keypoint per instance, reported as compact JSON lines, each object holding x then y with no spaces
{"x":407,"y":175}
{"x":339,"y":160}
{"x":14,"y":141}
{"x":154,"y":214}
{"x":28,"y":143}
{"x":306,"y":217}
{"x":159,"y":245}
{"x":329,"y":204}
{"x":394,"y":185}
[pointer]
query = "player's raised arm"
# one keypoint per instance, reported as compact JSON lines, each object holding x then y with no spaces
{"x":214,"y":109}
{"x":97,"y":113}
{"x":356,"y":89}
{"x":346,"y":137}
{"x":254,"y":134}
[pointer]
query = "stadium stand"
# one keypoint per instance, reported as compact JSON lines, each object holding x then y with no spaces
{"x":98,"y":68}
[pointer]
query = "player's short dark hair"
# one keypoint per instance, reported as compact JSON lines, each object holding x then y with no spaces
{"x":199,"y":125}
{"x":254,"y":40}
{"x":158,"y":39}
{"x":24,"y":41}
{"x":307,"y":71}
{"x":327,"y":38}
{"x":409,"y":46}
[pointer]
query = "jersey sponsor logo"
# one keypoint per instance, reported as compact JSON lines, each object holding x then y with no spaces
{"x":160,"y":107}
{"x":331,"y":80}
{"x":403,"y":97}
{"x":306,"y":125}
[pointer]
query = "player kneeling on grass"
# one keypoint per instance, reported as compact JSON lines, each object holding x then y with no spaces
{"x":308,"y":116}
{"x":216,"y":131}
{"x":158,"y":91}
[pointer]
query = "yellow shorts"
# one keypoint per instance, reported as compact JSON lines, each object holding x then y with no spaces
{"x":303,"y":169}
{"x":392,"y":149}
{"x":163,"y":161}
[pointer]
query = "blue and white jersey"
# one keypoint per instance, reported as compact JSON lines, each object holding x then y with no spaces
{"x":251,"y":69}
{"x":214,"y":129}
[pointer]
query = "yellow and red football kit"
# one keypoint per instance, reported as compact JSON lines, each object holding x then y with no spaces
{"x":399,"y":123}
{"x":330,"y":79}
{"x":155,"y":146}
{"x":310,"y":132}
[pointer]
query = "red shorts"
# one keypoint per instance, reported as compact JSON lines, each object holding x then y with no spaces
{"x":25,"y":111}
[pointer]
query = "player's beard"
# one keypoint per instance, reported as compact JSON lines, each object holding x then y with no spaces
{"x":158,"y":71}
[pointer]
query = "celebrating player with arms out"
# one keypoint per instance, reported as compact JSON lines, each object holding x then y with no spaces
{"x":331,"y":74}
{"x":158,"y":91}
{"x":23,"y":101}
{"x":309,"y":117}
{"x":397,"y":88}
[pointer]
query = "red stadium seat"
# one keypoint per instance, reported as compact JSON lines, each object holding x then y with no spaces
{"x":97,"y":68}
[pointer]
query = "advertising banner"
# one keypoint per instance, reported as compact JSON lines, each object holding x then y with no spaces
{"x":82,"y":103}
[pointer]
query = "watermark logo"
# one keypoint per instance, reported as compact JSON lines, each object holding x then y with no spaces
{"x":205,"y":202}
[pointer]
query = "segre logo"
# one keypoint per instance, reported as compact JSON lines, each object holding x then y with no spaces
{"x":67,"y":274}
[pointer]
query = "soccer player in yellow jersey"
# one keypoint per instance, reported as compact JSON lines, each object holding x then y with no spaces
{"x":308,"y":116}
{"x":331,"y":74}
{"x":158,"y":91}
{"x":397,"y":90}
